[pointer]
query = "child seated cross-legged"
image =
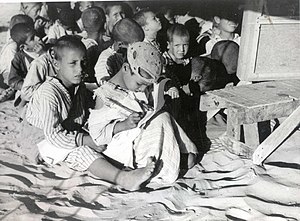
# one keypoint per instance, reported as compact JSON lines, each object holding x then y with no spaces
{"x":57,"y":111}
{"x":118,"y":119}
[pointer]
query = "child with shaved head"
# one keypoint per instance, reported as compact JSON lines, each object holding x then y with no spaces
{"x":55,"y":114}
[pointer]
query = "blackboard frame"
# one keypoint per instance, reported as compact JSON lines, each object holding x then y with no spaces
{"x":253,"y":21}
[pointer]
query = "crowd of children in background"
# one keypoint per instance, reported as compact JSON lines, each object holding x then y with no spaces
{"x":84,"y":76}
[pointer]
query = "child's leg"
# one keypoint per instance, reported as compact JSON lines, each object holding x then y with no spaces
{"x":85,"y":158}
{"x":130,"y":180}
{"x":164,"y":141}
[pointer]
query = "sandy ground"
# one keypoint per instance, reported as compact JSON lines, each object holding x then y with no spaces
{"x":222,"y":187}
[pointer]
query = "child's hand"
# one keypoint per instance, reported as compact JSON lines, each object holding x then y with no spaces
{"x":100,"y":148}
{"x":39,"y":23}
{"x":39,"y":49}
{"x":181,"y":19}
{"x":132,"y":121}
{"x":172,"y":92}
{"x":186,"y":89}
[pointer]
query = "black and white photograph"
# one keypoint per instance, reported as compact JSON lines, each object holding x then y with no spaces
{"x":136,"y":110}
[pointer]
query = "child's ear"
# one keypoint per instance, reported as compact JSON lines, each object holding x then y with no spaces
{"x":217,"y":19}
{"x":145,"y":27}
{"x":22,"y":47}
{"x":168,"y":45}
{"x":55,"y":62}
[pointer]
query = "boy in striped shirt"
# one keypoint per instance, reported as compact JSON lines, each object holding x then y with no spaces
{"x":56,"y":113}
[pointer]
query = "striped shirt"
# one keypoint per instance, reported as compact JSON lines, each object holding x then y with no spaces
{"x":52,"y":110}
{"x":39,"y":69}
{"x":101,"y":68}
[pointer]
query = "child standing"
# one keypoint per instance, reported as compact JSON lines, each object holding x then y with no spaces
{"x":56,"y":112}
{"x":117,"y":118}
{"x":150,"y":24}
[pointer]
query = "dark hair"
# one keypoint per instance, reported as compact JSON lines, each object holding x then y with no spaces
{"x":67,"y":41}
{"x":211,"y":73}
{"x":20,"y":32}
{"x":20,"y":18}
{"x":93,"y":19}
{"x":177,"y":29}
{"x":67,"y":18}
{"x":140,"y":17}
{"x":226,"y":12}
{"x":127,"y":31}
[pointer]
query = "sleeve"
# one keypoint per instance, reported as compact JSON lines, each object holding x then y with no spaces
{"x":35,"y":77}
{"x":6,"y":58}
{"x":101,"y":124}
{"x":53,"y":130}
{"x":52,"y":33}
{"x":101,"y":71}
{"x":14,"y":79}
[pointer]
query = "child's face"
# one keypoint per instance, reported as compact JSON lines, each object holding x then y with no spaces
{"x":32,"y":10}
{"x":227,"y":25}
{"x":135,"y":83}
{"x":116,"y":13}
{"x":179,"y":46}
{"x":85,"y":5}
{"x":153,"y":23}
{"x":33,"y":44}
{"x":71,"y":66}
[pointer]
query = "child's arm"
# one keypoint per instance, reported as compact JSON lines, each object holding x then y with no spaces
{"x":15,"y":78}
{"x":130,"y":123}
{"x":105,"y":122}
{"x":51,"y":123}
{"x":101,"y":70}
{"x":35,"y":77}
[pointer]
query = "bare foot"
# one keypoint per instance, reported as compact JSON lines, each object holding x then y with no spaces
{"x":132,"y":180}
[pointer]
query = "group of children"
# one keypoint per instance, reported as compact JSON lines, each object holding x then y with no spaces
{"x":100,"y":94}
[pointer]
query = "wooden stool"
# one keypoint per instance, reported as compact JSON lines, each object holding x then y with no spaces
{"x":249,"y":104}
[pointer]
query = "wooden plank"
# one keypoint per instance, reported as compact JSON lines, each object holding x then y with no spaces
{"x":251,"y":135}
{"x":237,"y":147}
{"x":277,"y":137}
{"x":265,"y":112}
{"x":233,"y":129}
{"x":231,"y":96}
{"x":211,"y":102}
{"x":256,"y":94}
{"x":250,"y":33}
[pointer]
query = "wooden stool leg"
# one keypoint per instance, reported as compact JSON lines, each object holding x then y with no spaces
{"x":251,"y":135}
